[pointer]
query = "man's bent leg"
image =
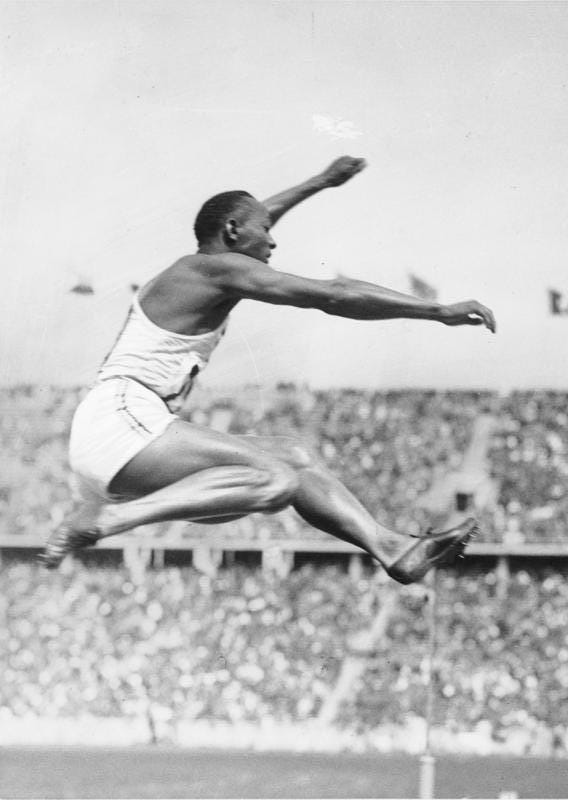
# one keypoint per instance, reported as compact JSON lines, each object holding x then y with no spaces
{"x":328,"y":505}
{"x":217,"y":492}
{"x":187,"y":473}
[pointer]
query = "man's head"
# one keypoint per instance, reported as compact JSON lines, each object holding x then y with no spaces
{"x":235,"y":222}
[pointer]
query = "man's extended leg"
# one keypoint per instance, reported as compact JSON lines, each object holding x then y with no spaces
{"x":177,"y":479}
{"x":316,"y":495}
{"x":327,"y":504}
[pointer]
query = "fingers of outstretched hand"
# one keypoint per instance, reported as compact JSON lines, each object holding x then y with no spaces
{"x":470,"y":313}
{"x":491,"y":322}
{"x":485,"y":317}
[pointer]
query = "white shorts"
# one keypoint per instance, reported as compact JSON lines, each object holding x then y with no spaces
{"x":116,"y":420}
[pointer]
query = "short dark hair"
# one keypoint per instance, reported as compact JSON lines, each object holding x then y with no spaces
{"x":215,"y":211}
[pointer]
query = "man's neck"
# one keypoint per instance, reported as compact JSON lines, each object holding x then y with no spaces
{"x":212,"y":248}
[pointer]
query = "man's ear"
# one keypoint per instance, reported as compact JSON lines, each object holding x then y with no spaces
{"x":230,"y":232}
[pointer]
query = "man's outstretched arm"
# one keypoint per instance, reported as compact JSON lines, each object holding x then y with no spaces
{"x":339,"y":171}
{"x":246,"y":278}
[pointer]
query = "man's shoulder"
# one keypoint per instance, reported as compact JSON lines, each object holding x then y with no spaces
{"x":192,"y":279}
{"x":192,"y":267}
{"x":211,"y":265}
{"x":204,"y":261}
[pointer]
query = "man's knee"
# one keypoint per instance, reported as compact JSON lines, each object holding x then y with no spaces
{"x":299,"y":455}
{"x":280,"y":486}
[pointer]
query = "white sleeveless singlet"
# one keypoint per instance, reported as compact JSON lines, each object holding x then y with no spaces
{"x":161,"y":360}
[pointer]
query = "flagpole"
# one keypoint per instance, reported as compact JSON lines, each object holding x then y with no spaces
{"x":427,"y":760}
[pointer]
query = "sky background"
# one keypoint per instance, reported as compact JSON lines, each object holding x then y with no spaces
{"x":120,"y":118}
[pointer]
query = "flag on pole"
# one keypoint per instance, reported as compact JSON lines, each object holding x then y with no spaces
{"x":555,"y":302}
{"x":421,"y":288}
{"x":82,"y":288}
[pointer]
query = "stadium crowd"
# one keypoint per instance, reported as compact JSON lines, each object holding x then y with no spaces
{"x":250,"y":646}
{"x":529,"y":461}
{"x":388,"y":447}
{"x":501,"y":662}
{"x":34,"y":432}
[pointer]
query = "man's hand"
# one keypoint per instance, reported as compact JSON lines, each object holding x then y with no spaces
{"x":469,"y":312}
{"x":342,"y":169}
{"x":338,"y":172}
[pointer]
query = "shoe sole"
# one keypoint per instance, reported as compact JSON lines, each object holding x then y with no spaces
{"x":445,"y":557}
{"x":54,"y":561}
{"x":456,"y":549}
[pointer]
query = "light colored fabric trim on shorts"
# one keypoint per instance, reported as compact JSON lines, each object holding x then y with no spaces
{"x":117,"y":419}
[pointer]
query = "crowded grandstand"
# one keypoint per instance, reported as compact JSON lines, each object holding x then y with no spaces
{"x":174,"y":643}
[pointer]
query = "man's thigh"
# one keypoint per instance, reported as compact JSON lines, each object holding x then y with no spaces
{"x":182,"y":450}
{"x":285,"y":448}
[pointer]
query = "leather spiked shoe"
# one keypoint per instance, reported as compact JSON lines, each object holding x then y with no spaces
{"x":65,"y":540}
{"x":432,"y":550}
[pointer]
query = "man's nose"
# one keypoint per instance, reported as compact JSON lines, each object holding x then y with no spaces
{"x":271,"y":243}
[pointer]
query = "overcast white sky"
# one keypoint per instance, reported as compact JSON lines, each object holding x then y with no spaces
{"x":119,"y":119}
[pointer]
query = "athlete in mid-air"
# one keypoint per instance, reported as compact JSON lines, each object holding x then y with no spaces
{"x":135,"y":461}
